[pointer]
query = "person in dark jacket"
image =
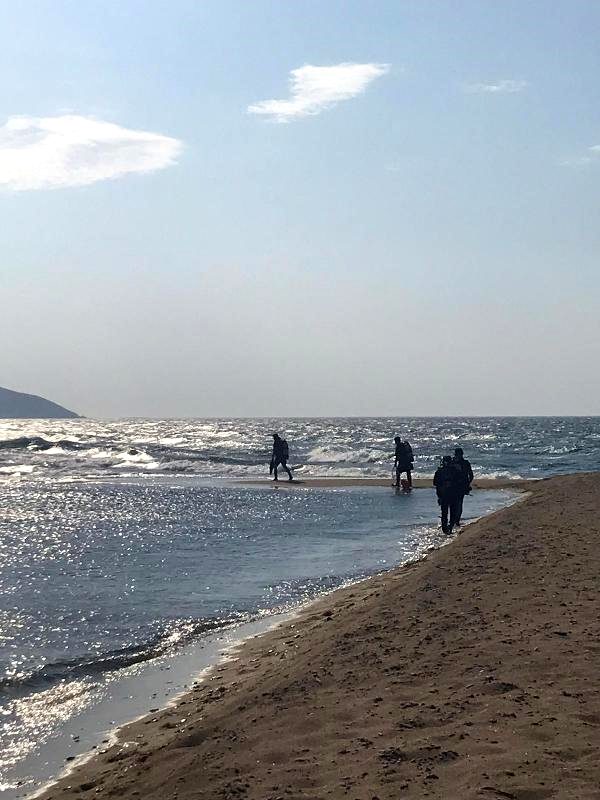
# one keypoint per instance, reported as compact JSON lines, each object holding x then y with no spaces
{"x":467,"y":475}
{"x":403,"y":462}
{"x":280,"y":456}
{"x":448,"y":482}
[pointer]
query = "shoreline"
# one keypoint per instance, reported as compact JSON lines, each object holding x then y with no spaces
{"x":495,"y":713}
{"x":208,"y":654}
{"x":123,"y":697}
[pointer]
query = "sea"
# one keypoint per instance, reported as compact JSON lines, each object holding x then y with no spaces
{"x":135,"y":552}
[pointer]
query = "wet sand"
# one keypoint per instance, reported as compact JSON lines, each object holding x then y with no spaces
{"x":470,"y":674}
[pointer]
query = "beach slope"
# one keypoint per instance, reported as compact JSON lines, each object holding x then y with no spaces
{"x":472,"y":674}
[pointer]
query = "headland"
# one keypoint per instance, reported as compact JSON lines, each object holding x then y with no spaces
{"x":18,"y":405}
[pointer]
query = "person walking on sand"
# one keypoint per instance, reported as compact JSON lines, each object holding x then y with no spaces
{"x":403,"y":461}
{"x":448,"y":482}
{"x":280,"y":456}
{"x":467,"y":474}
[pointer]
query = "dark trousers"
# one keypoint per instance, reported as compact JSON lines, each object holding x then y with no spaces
{"x":450,"y":508}
{"x":281,"y":461}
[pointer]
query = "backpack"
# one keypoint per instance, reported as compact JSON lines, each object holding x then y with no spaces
{"x":404,"y":453}
{"x":448,"y":480}
{"x":285,"y":450}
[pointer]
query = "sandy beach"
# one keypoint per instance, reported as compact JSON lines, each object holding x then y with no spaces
{"x":470,"y":674}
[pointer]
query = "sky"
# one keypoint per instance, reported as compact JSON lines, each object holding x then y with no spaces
{"x":301,"y":208}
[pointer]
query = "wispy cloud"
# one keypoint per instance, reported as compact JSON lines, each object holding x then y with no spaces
{"x":498,"y":87}
{"x":313,"y":89}
{"x":71,"y":150}
{"x":591,"y":156}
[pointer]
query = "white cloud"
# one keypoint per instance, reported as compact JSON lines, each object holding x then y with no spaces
{"x":70,"y":150}
{"x":314,"y":89}
{"x":499,"y":87}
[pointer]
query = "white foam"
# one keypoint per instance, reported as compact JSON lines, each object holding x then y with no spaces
{"x":18,"y":469}
{"x":172,"y":440}
{"x":95,"y":453}
{"x":134,"y":458}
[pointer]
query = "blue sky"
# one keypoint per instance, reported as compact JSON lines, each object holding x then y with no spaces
{"x":427,"y":244}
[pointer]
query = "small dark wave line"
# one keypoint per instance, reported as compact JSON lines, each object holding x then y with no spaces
{"x":95,"y":666}
{"x":167,"y":455}
{"x":38,"y":442}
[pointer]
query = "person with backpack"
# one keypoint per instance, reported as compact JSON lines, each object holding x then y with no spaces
{"x":449,"y":484}
{"x":467,"y":474}
{"x":280,"y":456}
{"x":403,"y":461}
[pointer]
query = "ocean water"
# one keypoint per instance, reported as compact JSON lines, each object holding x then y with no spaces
{"x":125,"y":543}
{"x":353,"y":447}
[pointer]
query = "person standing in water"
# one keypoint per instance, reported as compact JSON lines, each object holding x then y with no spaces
{"x":448,"y":482}
{"x":467,"y":475}
{"x":280,"y":456}
{"x":403,"y":462}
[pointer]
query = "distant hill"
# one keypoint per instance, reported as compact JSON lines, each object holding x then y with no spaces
{"x":16,"y":405}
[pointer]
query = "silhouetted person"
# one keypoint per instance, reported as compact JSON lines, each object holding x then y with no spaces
{"x":467,"y":475}
{"x":403,"y":462}
{"x":448,"y":482}
{"x":280,"y":456}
